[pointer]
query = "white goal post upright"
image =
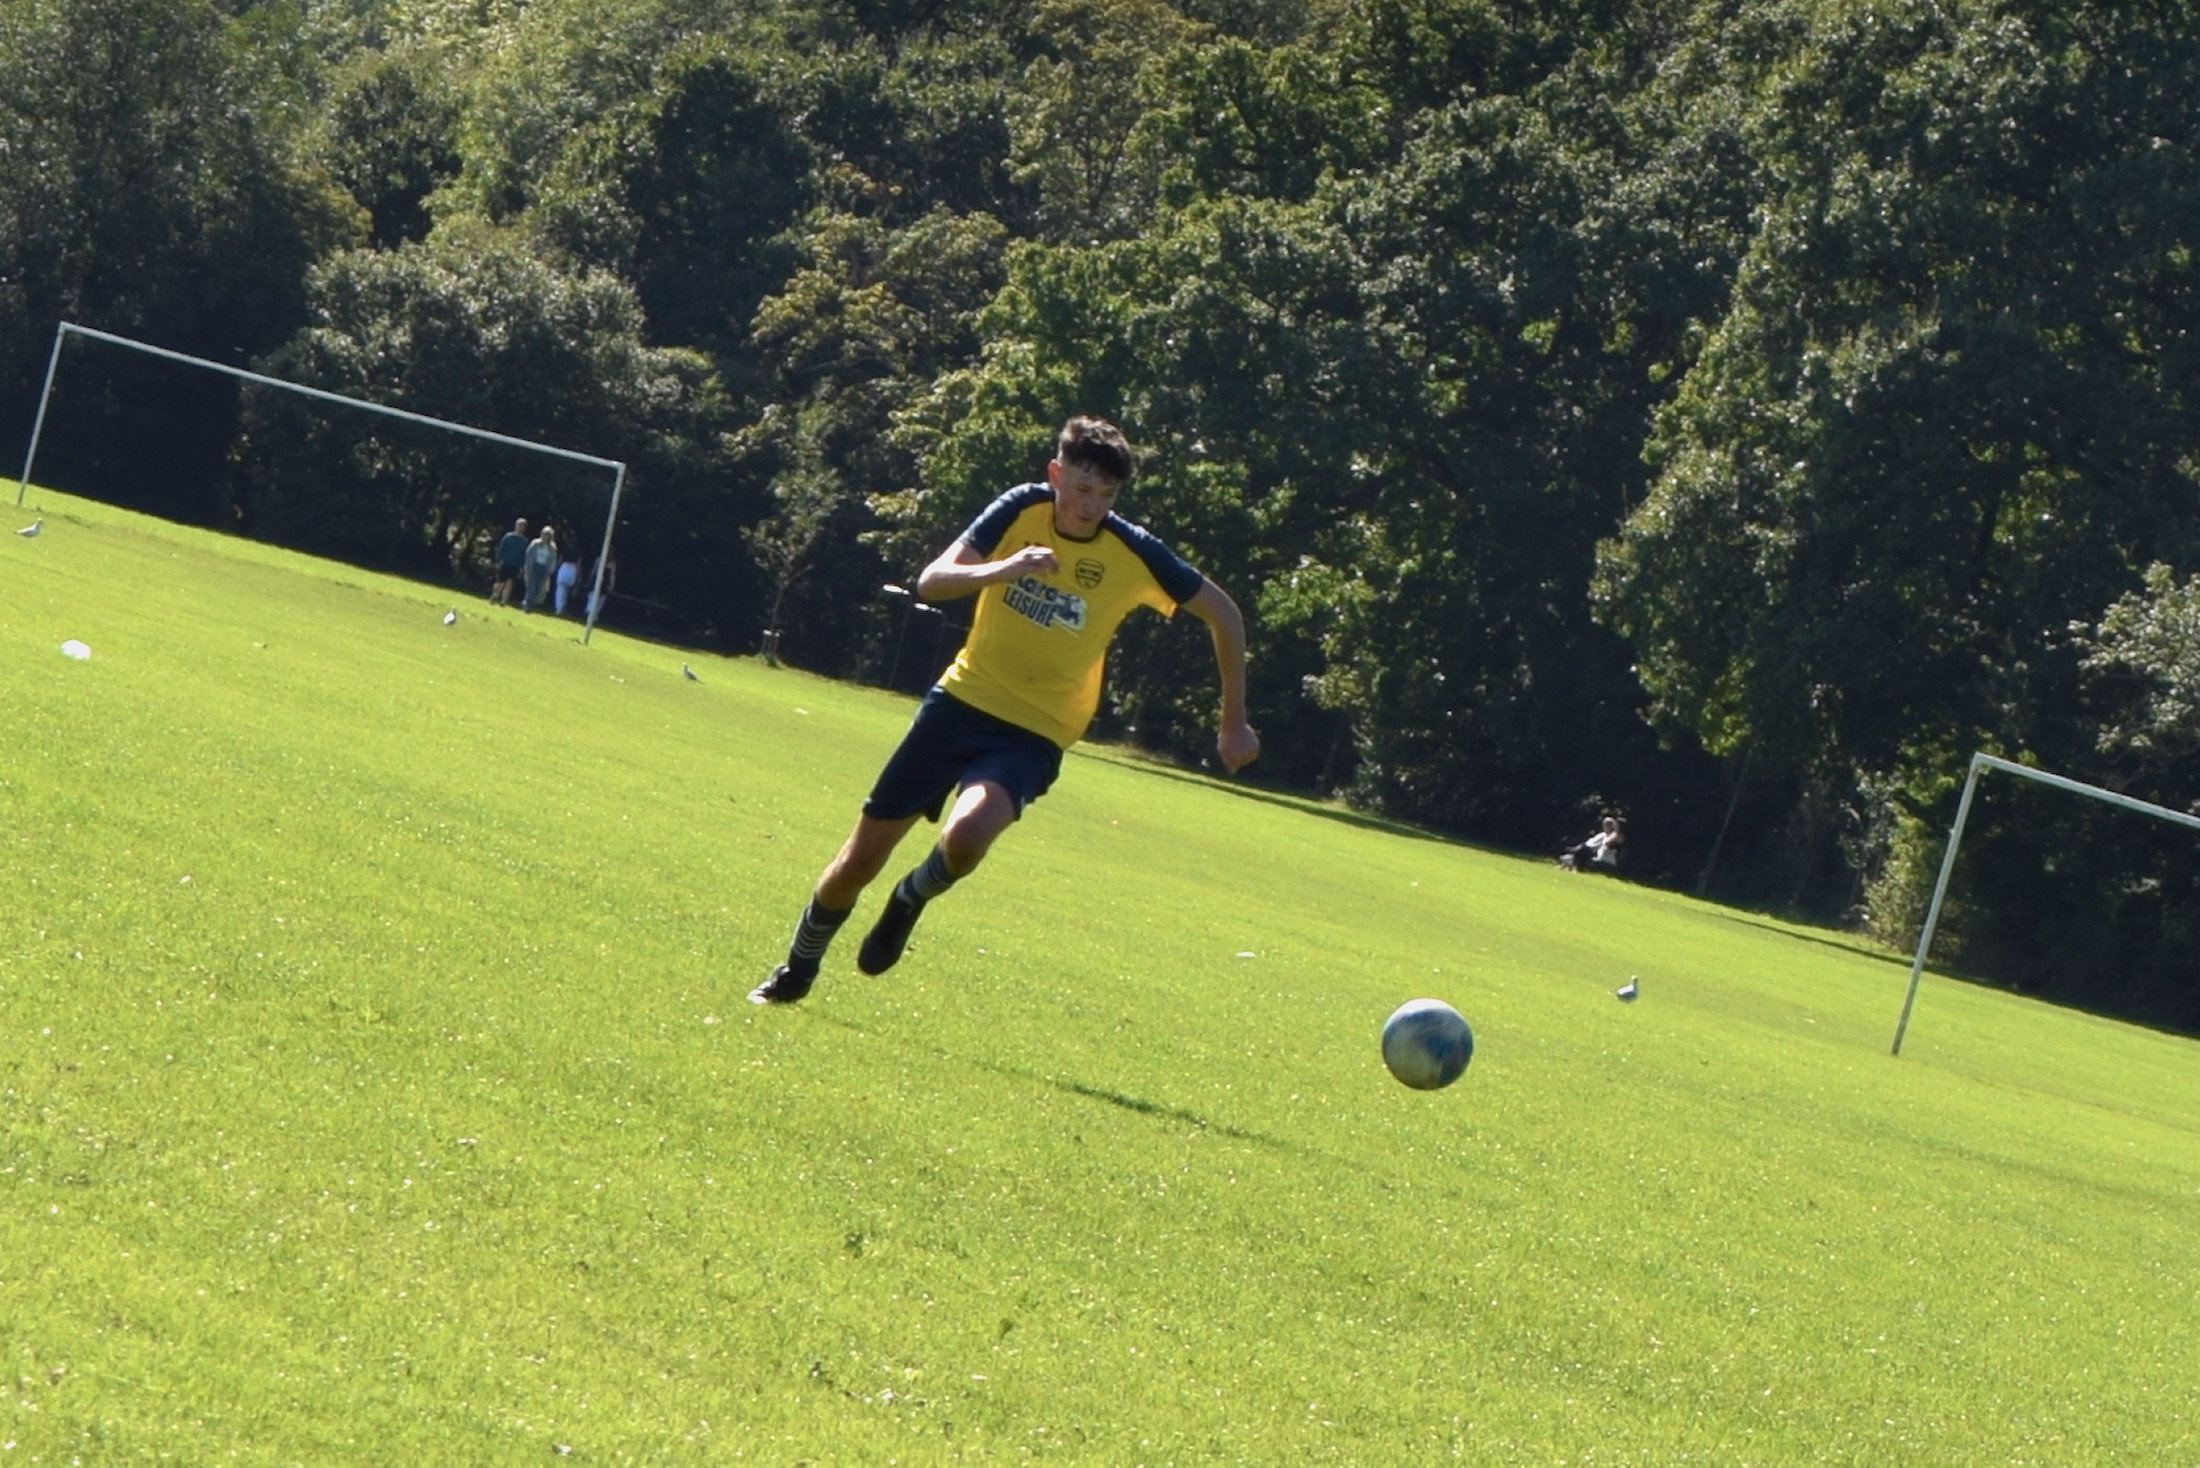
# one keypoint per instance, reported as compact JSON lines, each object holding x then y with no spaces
{"x":69,"y":328}
{"x":1979,"y":764}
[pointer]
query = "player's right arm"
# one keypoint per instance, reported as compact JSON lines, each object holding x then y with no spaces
{"x":1235,"y":740}
{"x":962,"y":569}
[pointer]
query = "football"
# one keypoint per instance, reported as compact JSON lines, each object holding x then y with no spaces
{"x":1426,"y":1044}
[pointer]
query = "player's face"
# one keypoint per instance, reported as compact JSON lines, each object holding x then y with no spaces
{"x":1082,"y":498}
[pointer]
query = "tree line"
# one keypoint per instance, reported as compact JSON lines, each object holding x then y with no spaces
{"x":1730,"y":413}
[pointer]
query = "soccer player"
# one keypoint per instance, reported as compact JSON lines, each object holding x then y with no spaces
{"x":1055,"y":571}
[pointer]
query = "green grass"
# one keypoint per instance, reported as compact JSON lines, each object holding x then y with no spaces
{"x":376,"y":1085}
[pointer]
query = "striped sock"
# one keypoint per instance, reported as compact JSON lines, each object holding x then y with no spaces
{"x":927,"y":881}
{"x":814,"y":934}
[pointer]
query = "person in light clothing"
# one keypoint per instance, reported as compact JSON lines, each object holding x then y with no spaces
{"x":542,"y":561}
{"x":1599,"y":851}
{"x":569,"y":575}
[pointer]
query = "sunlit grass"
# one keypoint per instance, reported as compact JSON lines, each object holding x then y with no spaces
{"x":377,"y":1085}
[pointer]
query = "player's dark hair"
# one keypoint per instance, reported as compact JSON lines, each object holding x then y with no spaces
{"x":1098,"y":445}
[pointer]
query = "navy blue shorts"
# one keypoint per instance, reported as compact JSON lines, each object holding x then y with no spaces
{"x":950,"y":746}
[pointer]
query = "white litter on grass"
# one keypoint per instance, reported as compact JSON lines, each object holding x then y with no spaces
{"x":1248,"y":955}
{"x":76,"y":649}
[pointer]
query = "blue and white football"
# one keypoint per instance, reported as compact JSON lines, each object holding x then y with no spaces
{"x":1427,"y":1044}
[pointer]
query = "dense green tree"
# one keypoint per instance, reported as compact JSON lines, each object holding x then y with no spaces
{"x":873,"y":317}
{"x":1942,"y":417}
{"x":895,"y":25}
{"x":1074,"y":114}
{"x":148,"y":187}
{"x":2146,"y":650}
{"x":549,"y":76}
{"x":391,"y":124}
{"x":472,"y":329}
{"x":671,"y":162}
{"x":721,"y":175}
{"x":923,"y":127}
{"x":1233,"y":118}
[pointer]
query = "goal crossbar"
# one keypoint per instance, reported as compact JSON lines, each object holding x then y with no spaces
{"x":67,"y":329}
{"x":1980,"y":763}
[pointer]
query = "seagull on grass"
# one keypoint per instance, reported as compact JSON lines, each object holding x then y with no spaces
{"x":450,"y":616}
{"x":1626,"y":992}
{"x":33,"y":528}
{"x":689,"y":673}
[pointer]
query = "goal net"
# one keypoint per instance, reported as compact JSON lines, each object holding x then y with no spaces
{"x":387,"y":460}
{"x":1980,"y":764}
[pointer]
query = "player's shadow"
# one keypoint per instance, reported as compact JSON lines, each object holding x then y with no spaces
{"x":1154,"y":1108}
{"x":1135,"y":1104}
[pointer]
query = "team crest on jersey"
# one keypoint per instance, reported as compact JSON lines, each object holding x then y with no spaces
{"x":1089,"y":572}
{"x":1046,"y":605}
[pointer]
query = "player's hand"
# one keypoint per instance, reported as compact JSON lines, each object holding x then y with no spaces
{"x":1237,"y":744}
{"x":1032,"y":560}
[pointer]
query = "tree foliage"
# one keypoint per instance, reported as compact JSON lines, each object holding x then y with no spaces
{"x":147,"y":186}
{"x":2147,"y":648}
{"x":474,"y":329}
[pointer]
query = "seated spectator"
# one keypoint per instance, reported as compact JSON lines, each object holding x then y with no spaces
{"x":1599,"y":851}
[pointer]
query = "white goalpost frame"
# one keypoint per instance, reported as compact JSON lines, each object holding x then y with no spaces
{"x":1979,"y":764}
{"x":67,"y":329}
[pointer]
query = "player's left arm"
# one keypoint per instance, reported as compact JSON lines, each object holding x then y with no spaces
{"x":1235,"y":740}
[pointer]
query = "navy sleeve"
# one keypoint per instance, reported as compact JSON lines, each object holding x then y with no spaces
{"x":1175,"y":575}
{"x":985,"y":532}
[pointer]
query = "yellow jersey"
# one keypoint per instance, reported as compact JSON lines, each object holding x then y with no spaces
{"x":1038,"y":645}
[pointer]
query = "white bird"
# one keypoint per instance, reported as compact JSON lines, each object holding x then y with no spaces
{"x":1626,"y":992}
{"x":689,"y":673}
{"x":34,"y":527}
{"x":450,"y":616}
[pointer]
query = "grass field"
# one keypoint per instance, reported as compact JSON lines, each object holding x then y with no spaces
{"x":376,"y":1085}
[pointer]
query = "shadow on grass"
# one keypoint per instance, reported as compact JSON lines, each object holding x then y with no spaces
{"x":1136,"y":1104}
{"x":1150,"y":1108}
{"x":1861,"y":950}
{"x":1132,"y":759}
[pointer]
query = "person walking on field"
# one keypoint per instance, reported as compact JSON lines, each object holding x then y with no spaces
{"x":1055,"y":571}
{"x":511,"y":561}
{"x":569,"y":576}
{"x":542,"y":562}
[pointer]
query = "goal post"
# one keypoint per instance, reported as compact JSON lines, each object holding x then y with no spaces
{"x":1980,"y":763}
{"x":67,"y":329}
